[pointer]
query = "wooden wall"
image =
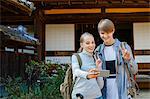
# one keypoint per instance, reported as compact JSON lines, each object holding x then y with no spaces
{"x":13,"y":64}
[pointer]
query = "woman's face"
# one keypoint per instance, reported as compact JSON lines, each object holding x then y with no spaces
{"x":88,"y":44}
{"x":106,"y":37}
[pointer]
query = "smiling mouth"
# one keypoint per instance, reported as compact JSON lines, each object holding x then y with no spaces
{"x":90,"y":49}
{"x":105,"y":38}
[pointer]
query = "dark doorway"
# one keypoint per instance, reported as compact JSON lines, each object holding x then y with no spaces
{"x":124,"y":32}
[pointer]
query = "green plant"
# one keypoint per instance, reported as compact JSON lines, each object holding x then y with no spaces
{"x":51,"y":88}
{"x":16,"y":87}
{"x":43,"y":81}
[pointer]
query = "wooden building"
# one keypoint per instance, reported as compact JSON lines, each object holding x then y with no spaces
{"x":58,"y":25}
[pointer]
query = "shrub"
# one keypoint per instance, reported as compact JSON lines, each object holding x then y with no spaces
{"x":43,"y":81}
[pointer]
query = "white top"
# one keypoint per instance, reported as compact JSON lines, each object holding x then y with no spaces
{"x":109,"y":53}
{"x":112,"y":90}
{"x":89,"y":88}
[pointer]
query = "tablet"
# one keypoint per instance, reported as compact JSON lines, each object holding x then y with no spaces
{"x":104,"y":73}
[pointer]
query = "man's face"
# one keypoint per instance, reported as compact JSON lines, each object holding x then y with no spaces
{"x":88,"y":44}
{"x":106,"y":37}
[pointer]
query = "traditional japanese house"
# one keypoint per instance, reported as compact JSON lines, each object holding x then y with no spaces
{"x":58,"y":25}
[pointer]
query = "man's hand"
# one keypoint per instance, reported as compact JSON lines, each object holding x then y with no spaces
{"x":126,"y":54}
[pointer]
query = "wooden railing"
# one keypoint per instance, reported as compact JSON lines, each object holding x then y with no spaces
{"x":143,"y":76}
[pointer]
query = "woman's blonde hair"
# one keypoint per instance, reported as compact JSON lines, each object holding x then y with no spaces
{"x":82,"y":39}
{"x":106,"y":25}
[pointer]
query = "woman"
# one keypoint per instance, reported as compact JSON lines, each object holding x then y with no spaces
{"x":87,"y":85}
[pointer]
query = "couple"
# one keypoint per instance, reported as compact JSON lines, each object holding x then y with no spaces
{"x":88,"y":84}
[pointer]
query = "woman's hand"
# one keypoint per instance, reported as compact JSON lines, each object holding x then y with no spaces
{"x":93,"y":73}
{"x":98,"y":64}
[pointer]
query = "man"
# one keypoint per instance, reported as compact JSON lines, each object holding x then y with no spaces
{"x":114,"y":58}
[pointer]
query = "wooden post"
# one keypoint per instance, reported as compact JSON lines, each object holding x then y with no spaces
{"x":39,"y":26}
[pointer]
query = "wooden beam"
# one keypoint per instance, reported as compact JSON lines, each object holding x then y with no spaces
{"x":94,"y":18}
{"x":16,"y":6}
{"x":88,"y":6}
{"x":126,"y":10}
{"x":96,"y":10}
{"x":48,"y":0}
{"x":16,"y":19}
{"x":56,"y":4}
{"x":143,"y":65}
{"x":72,"y":11}
{"x":121,"y":1}
{"x":8,"y":10}
{"x":59,"y":53}
{"x":142,"y":52}
{"x":39,"y":25}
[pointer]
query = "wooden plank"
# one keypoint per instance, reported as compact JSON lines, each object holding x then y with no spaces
{"x":59,"y":53}
{"x":96,"y":10}
{"x":143,"y":68}
{"x":13,"y":64}
{"x":72,"y":11}
{"x":144,"y":85}
{"x":6,"y":9}
{"x":144,"y":65}
{"x":15,"y":19}
{"x":142,"y":52}
{"x":94,"y":18}
{"x":127,"y":10}
{"x":85,"y":6}
{"x":39,"y":23}
{"x":49,"y":0}
{"x":93,"y":3}
{"x":16,"y":6}
{"x":144,"y":71}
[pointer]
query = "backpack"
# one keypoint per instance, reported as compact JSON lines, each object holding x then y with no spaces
{"x":133,"y":88}
{"x":67,"y":86}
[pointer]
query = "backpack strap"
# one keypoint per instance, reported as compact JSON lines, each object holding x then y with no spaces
{"x":80,"y":64}
{"x":131,"y":79}
{"x":123,"y":45}
{"x":79,"y":59}
{"x":100,"y":46}
{"x":130,"y":76}
{"x":98,"y":49}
